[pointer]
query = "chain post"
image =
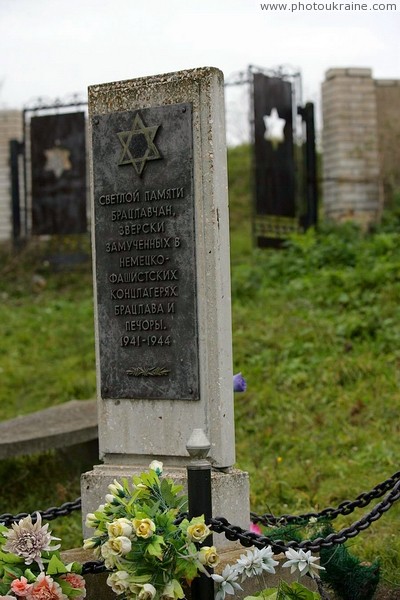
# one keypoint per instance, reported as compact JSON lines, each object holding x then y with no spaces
{"x":200,"y":502}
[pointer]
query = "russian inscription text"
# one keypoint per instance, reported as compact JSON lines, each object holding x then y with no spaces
{"x":145,"y":255}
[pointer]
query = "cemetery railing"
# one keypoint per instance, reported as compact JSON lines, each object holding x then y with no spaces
{"x":390,"y":486}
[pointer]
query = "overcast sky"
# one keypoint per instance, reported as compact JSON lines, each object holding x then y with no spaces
{"x":54,"y":48}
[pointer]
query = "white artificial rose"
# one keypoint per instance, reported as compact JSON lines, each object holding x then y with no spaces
{"x":172,"y":591}
{"x":168,"y":592}
{"x":91,"y":521}
{"x":147,"y":592}
{"x":89,"y":544}
{"x":156,"y":466}
{"x":120,"y":545}
{"x":118,"y":582}
{"x":115,"y":488}
{"x":110,"y":562}
{"x":106,"y":550}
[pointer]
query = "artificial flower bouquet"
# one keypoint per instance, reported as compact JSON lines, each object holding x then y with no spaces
{"x":151,"y":554}
{"x":31,"y":568}
{"x":257,"y":564}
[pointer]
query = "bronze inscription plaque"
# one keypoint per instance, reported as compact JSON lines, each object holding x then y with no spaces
{"x":145,"y":253}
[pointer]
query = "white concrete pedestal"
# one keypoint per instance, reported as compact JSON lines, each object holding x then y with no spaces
{"x":230,"y":494}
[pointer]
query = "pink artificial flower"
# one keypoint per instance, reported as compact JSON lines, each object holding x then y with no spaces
{"x":21,"y":587}
{"x":45,"y":588}
{"x":77,"y":582}
{"x":255,"y":528}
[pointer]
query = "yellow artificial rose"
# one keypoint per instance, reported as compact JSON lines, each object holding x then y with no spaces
{"x":208,"y":556}
{"x":144,"y":528}
{"x":198,"y":532}
{"x":119,"y":527}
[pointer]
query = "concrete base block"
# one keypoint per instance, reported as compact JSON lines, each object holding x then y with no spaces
{"x":230,"y":494}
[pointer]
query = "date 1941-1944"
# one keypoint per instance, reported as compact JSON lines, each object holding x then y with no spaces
{"x":149,"y":340}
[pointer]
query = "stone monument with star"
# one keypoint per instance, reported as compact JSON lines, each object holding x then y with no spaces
{"x":162,"y":282}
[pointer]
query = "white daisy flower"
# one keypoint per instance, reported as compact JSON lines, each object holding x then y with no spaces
{"x":302,"y":561}
{"x":226,"y":582}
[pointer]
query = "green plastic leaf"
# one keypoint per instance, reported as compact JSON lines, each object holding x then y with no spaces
{"x":178,"y":591}
{"x":56,"y":566}
{"x":154,"y":548}
{"x":74,"y":567}
{"x":271,"y":593}
{"x":68,"y":590}
{"x":295,"y":591}
{"x":31,"y":577}
{"x":185,"y":569}
{"x":12,"y":572}
{"x":170,"y":493}
{"x":10,"y":558}
{"x":4,"y":589}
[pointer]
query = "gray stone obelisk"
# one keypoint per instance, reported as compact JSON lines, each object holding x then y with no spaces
{"x":162,"y":280}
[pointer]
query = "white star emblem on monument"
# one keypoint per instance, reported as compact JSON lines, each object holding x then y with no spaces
{"x":274,"y":127}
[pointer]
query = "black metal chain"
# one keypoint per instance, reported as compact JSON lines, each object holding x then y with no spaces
{"x":94,"y":567}
{"x":248,"y":538}
{"x":49,"y":514}
{"x":329,"y":514}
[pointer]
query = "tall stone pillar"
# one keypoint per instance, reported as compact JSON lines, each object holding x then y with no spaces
{"x":10,"y":128}
{"x":351,"y":173}
{"x":162,"y":282}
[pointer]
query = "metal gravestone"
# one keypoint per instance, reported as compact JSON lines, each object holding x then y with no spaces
{"x":145,"y":253}
{"x":275,"y":206}
{"x":58,"y":163}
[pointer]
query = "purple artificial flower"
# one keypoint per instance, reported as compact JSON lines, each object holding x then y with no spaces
{"x":239,"y":383}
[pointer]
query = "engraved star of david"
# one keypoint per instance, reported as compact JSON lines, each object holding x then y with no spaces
{"x":274,"y":126}
{"x":150,"y":152}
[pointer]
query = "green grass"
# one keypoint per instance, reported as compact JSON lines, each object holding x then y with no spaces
{"x":315,"y":332}
{"x":47,"y":338}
